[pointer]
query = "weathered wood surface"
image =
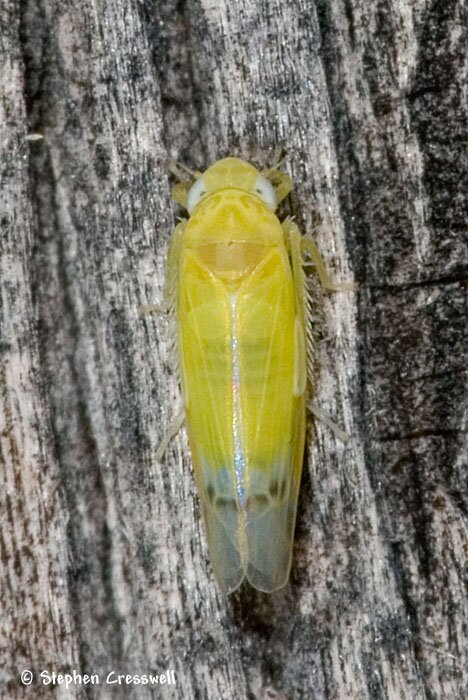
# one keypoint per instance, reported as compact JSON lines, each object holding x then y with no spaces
{"x":103,"y":558}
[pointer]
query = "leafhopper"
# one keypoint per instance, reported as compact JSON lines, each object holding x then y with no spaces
{"x":236,"y":286}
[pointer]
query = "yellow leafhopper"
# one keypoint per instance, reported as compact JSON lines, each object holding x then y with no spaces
{"x":235,"y":283}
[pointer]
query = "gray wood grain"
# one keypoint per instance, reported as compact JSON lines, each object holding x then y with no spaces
{"x":104,"y":565}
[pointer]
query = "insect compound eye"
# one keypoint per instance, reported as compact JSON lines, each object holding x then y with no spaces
{"x":265,"y":190}
{"x":195,"y":194}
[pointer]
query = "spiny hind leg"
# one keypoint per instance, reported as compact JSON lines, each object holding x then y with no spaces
{"x":303,"y":348}
{"x":169,"y":305}
{"x":294,"y":241}
{"x":170,"y":289}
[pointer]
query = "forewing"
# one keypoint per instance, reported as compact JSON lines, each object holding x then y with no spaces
{"x":273,"y":418}
{"x":205,"y":358}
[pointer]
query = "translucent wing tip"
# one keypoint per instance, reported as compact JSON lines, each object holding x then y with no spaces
{"x":255,"y":541}
{"x":222,"y":526}
{"x":270,"y":530}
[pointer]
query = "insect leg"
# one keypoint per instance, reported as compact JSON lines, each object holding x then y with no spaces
{"x":172,"y":431}
{"x":294,"y":239}
{"x":169,"y":304}
{"x":169,"y":299}
{"x":144,"y":309}
{"x":320,"y":415}
{"x":178,"y":170}
{"x":308,"y":246}
{"x":303,"y":352}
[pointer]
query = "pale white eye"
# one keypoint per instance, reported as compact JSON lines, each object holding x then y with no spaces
{"x":195,"y":194}
{"x":266,"y":191}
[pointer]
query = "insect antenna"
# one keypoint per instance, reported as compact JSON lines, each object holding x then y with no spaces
{"x":179,"y":170}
